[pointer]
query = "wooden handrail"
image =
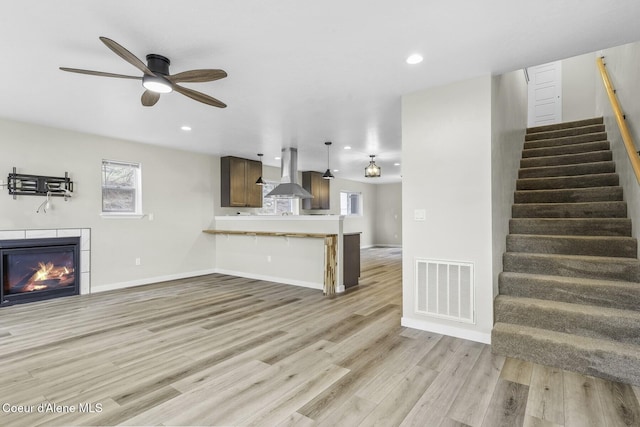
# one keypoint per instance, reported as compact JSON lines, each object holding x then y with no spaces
{"x":622,"y":124}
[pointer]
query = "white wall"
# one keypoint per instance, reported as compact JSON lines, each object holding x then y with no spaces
{"x":623,"y":65}
{"x":508,"y":124}
{"x":446,"y":165}
{"x":365,"y":223}
{"x":579,"y":87}
{"x":388,"y":225}
{"x":177,"y":189}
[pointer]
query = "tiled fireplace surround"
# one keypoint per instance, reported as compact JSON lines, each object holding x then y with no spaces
{"x":85,"y":247}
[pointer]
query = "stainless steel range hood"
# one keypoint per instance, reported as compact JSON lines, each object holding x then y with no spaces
{"x":289,"y":188}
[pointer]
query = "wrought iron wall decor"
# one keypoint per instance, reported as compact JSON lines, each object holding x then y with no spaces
{"x":20,"y":184}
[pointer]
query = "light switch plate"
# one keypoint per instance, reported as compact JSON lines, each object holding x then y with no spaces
{"x":419,"y":215}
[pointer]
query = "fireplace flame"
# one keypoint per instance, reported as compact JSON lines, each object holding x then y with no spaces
{"x":47,"y":275}
{"x":43,"y":272}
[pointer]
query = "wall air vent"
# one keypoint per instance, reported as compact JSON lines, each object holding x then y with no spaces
{"x":445,"y":289}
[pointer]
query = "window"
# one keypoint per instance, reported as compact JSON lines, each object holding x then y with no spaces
{"x":350,"y":203}
{"x":275,"y":205}
{"x":121,"y":188}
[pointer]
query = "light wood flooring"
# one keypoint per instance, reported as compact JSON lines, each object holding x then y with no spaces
{"x":222,"y":350}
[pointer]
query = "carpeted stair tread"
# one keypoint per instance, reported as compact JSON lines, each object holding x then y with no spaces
{"x":570,"y":210}
{"x":567,"y":159}
{"x":567,"y":170}
{"x":561,"y":133}
{"x":612,"y":246}
{"x":566,"y":125}
{"x":598,"y":292}
{"x":590,"y":356}
{"x":571,"y":226}
{"x":553,"y":139}
{"x":566,"y":149}
{"x":579,"y":181}
{"x":577,"y":319}
{"x":590,"y":267}
{"x":570,"y":195}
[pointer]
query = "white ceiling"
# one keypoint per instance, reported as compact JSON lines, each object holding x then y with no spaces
{"x":301,"y":72}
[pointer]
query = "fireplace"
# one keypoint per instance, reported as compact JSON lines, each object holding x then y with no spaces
{"x":38,"y":269}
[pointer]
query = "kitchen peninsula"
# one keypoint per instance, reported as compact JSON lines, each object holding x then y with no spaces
{"x":297,"y":249}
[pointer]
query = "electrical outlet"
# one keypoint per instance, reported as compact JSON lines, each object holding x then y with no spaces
{"x":268,"y":258}
{"x":419,"y":215}
{"x":151,"y":217}
{"x":138,"y":261}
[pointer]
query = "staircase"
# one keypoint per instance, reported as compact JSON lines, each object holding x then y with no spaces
{"x":570,"y":290}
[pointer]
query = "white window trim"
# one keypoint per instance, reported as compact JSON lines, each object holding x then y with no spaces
{"x":125,"y":215}
{"x":360,"y":203}
{"x":106,"y":215}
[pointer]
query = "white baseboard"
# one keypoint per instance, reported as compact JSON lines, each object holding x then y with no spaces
{"x":157,"y":279}
{"x":304,"y":284}
{"x":320,"y":286}
{"x":446,"y":330}
{"x":149,"y":280}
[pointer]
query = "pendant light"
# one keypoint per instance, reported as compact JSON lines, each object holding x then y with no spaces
{"x":260,"y":181}
{"x":373,"y":170}
{"x":328,"y":174}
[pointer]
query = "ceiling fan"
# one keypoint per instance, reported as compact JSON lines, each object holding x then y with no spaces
{"x":156,"y":78}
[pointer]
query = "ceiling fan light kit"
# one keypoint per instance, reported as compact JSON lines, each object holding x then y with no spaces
{"x":159,"y":65}
{"x":156,"y":84}
{"x":156,"y":78}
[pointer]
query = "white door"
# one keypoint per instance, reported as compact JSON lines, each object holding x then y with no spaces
{"x":545,"y":94}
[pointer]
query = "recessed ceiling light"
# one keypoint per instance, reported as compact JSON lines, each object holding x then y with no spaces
{"x":396,"y":164}
{"x":186,"y":128}
{"x":277,"y":158}
{"x":414,"y":59}
{"x":346,"y":147}
{"x":336,"y":170}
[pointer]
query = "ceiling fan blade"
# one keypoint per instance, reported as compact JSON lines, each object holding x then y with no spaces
{"x":126,"y":55}
{"x":99,"y":73}
{"x":150,"y":98}
{"x":198,"y":96}
{"x":197,"y":76}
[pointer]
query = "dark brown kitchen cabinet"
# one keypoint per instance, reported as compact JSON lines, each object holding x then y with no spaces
{"x":351,"y":259}
{"x":319,"y":187}
{"x":238,"y":182}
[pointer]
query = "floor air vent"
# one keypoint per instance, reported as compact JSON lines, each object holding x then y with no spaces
{"x":445,"y":289}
